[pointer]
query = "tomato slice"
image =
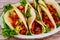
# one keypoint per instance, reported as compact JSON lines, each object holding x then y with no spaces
{"x":48,"y":22}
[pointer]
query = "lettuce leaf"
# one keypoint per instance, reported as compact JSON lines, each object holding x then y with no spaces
{"x":58,"y":24}
{"x":23,"y":2}
{"x":7,"y":7}
{"x":47,"y":29}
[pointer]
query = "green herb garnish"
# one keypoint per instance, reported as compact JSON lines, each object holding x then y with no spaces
{"x":28,"y":12}
{"x":36,"y":1}
{"x":7,"y":7}
{"x":56,"y":14}
{"x":47,"y":29}
{"x":23,"y":2}
{"x":37,"y":5}
{"x":58,"y":24}
{"x":38,"y":16}
{"x":28,"y":33}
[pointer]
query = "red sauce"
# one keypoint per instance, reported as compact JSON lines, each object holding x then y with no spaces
{"x":36,"y":28}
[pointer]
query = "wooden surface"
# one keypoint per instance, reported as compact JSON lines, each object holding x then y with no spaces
{"x":52,"y":37}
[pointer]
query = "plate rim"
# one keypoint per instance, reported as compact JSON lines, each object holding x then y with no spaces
{"x":35,"y":36}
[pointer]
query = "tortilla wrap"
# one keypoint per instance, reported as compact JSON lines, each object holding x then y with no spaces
{"x":45,"y":9}
{"x":54,"y":9}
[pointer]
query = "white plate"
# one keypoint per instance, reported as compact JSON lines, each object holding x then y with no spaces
{"x":35,"y":36}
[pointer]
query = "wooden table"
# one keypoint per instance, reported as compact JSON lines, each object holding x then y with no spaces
{"x":52,"y":37}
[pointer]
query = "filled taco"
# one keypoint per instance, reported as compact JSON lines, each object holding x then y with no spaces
{"x":35,"y":26}
{"x":54,"y":9}
{"x":46,"y":17}
{"x":15,"y":21}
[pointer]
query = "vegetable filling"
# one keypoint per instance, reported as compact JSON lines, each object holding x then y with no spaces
{"x":47,"y":20}
{"x":36,"y":28}
{"x":17,"y":23}
{"x":54,"y":14}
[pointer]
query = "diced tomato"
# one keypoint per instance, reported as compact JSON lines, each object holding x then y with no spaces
{"x":36,"y":28}
{"x":23,"y":27}
{"x":51,"y":9}
{"x":15,"y":19}
{"x":21,"y":8}
{"x":49,"y":22}
{"x":23,"y":32}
